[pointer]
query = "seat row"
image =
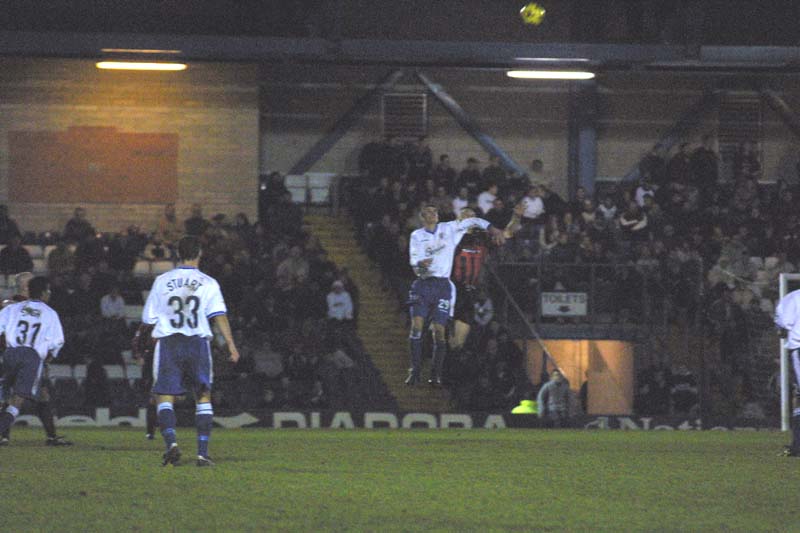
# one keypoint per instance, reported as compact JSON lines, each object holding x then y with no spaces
{"x":130,"y":372}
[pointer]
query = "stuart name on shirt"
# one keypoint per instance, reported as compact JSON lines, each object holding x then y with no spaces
{"x":179,"y":283}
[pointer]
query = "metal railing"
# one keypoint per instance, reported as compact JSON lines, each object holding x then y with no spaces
{"x":619,"y":294}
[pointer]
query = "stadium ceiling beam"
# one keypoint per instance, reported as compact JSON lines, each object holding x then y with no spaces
{"x":344,"y":123}
{"x":470,"y":125}
{"x":783,"y":110}
{"x":689,"y":121}
{"x":403,"y":53}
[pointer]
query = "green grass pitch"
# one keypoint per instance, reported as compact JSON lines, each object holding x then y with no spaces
{"x":402,"y":480}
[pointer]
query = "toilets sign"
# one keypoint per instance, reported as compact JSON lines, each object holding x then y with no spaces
{"x":564,"y":303}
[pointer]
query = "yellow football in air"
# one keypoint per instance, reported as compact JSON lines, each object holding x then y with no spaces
{"x":532,"y":13}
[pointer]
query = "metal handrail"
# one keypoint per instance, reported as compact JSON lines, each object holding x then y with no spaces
{"x":521,"y":314}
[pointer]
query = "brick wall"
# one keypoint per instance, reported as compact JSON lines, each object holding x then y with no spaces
{"x":212,"y":108}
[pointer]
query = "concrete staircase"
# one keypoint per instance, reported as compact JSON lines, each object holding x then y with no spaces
{"x":382,"y":326}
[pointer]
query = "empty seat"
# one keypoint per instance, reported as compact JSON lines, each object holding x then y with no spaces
{"x":133,"y":313}
{"x":56,"y":372}
{"x":133,"y":372}
{"x":79,"y":373}
{"x":159,"y":267}
{"x":114,"y":371}
{"x":127,"y":358}
{"x":141,"y":268}
{"x":34,"y":250}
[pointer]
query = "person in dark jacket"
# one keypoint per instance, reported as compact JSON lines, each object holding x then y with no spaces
{"x":554,"y":401}
{"x":14,"y":258}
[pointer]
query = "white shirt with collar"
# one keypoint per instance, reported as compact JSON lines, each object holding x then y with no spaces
{"x":440,"y":244}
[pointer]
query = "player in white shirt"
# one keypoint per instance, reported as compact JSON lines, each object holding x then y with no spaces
{"x":33,"y":335}
{"x":787,"y":319}
{"x":42,"y":404}
{"x":179,"y":306}
{"x":432,"y":294}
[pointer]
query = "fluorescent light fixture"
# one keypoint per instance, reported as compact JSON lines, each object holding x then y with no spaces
{"x":550,"y":74}
{"x":554,"y":59}
{"x":137,"y":51}
{"x":138,"y":65}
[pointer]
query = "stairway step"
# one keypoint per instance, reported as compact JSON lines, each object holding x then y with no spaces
{"x":382,"y":325}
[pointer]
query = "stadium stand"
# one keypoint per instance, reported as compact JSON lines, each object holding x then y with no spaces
{"x":259,"y":270}
{"x":660,"y":251}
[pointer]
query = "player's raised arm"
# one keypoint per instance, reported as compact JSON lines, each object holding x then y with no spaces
{"x":466,"y":223}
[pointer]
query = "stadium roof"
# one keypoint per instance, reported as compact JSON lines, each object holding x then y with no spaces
{"x":717,"y":35}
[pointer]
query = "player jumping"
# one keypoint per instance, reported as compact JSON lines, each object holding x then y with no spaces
{"x":432,"y":294}
{"x":467,"y":266}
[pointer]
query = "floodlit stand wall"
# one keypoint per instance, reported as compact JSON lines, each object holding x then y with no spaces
{"x":607,"y":366}
{"x":300,"y":102}
{"x":636,"y":109}
{"x":236,"y":120}
{"x":528,"y":119}
{"x":211,"y":108}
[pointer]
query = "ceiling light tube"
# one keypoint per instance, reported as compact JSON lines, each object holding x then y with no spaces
{"x":550,"y":74}
{"x":137,"y":51}
{"x":554,"y":59}
{"x":138,"y":65}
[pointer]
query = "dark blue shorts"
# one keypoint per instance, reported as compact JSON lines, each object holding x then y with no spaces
{"x":181,"y":364}
{"x":22,"y":372}
{"x":432,"y":298}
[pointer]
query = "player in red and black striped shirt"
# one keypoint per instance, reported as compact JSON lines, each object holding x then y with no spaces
{"x":468,"y":263}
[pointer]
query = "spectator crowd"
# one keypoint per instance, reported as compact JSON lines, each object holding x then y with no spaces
{"x":677,"y":245}
{"x":290,"y":307}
